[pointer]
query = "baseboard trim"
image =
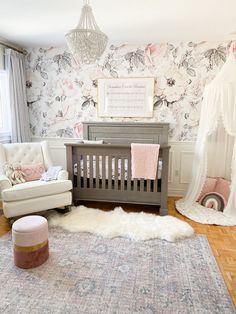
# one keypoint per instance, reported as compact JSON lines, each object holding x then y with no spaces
{"x":176,"y":192}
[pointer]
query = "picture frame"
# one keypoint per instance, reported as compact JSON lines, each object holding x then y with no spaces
{"x":125,"y":97}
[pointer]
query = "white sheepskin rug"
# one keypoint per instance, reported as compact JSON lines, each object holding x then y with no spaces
{"x":118,"y":223}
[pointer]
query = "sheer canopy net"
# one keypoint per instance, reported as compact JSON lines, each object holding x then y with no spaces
{"x":215,"y":150}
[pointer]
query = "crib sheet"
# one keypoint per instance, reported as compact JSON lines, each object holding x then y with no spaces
{"x":113,"y":168}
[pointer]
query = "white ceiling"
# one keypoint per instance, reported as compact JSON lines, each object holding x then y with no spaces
{"x":32,"y":23}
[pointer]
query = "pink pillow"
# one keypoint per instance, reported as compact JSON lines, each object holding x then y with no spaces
{"x":222,"y":187}
{"x":209,"y":186}
{"x":33,"y":172}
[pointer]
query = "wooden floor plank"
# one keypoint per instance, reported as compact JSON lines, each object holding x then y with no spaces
{"x":221,"y":239}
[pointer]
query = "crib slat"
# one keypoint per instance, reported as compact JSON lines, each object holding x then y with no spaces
{"x":85,"y":170}
{"x":78,"y":161}
{"x":142,"y":185}
{"x":116,"y":172}
{"x":129,"y":173}
{"x":97,"y":172}
{"x":122,"y":173}
{"x":109,"y":172}
{"x":103,"y":172}
{"x":148,"y":185}
{"x":135,"y":184}
{"x":155,"y":189}
{"x":90,"y":171}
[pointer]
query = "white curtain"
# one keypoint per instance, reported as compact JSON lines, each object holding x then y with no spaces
{"x":215,"y":151}
{"x":219,"y":154}
{"x":15,"y":66}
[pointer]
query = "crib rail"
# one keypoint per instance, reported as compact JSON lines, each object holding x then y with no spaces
{"x":104,"y":173}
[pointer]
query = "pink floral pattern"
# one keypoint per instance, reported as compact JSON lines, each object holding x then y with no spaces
{"x":61,"y":94}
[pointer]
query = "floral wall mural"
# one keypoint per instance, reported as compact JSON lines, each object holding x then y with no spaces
{"x":62,"y":94}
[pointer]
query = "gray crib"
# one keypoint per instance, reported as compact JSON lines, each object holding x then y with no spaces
{"x":103,"y":172}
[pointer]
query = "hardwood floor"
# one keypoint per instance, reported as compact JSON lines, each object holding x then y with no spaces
{"x":222,"y":239}
{"x":4,"y":224}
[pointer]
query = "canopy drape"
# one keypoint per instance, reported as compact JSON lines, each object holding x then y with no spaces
{"x":215,"y":150}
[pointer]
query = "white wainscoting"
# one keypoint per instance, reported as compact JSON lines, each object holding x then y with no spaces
{"x":180,"y":167}
{"x":180,"y":163}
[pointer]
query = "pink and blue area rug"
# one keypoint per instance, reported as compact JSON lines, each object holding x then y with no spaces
{"x":90,"y":274}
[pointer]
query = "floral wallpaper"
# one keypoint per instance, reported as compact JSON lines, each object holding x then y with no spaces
{"x":62,"y":94}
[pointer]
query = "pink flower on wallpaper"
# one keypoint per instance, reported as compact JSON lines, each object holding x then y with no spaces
{"x":68,"y":83}
{"x":154,"y":51}
{"x":67,"y":87}
{"x":233,"y":48}
{"x":78,"y":129}
{"x":59,"y":87}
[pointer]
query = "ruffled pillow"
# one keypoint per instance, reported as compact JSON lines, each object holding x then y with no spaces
{"x":223,"y":187}
{"x":209,"y":186}
{"x":33,"y":172}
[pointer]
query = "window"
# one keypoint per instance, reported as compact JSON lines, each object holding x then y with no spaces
{"x":4,"y":109}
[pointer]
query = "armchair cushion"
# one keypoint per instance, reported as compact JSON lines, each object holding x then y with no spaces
{"x":34,"y":189}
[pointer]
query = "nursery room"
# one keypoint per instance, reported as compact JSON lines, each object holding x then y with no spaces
{"x":118,"y":156}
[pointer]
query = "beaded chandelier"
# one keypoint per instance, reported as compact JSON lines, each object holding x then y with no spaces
{"x":86,"y":42}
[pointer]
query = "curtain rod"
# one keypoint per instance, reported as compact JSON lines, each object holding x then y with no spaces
{"x":11,"y":46}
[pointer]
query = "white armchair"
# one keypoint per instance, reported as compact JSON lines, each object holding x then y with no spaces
{"x":33,"y":196}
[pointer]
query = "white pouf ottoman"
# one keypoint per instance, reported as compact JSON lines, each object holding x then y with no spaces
{"x":30,"y":240}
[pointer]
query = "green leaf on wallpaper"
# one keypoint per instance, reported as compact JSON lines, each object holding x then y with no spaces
{"x":175,"y":52}
{"x":158,"y":102}
{"x":185,"y":64}
{"x":113,"y":73}
{"x":208,"y":53}
{"x":140,"y":56}
{"x":107,"y":66}
{"x":128,"y":56}
{"x":191,"y":44}
{"x":44,"y":75}
{"x":135,"y":61}
{"x":217,"y":59}
{"x":191,"y":72}
{"x":219,"y":56}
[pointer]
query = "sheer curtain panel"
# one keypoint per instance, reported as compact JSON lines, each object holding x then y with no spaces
{"x":15,"y":66}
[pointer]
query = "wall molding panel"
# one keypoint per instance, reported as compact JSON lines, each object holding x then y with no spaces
{"x":186,"y":158}
{"x":170,"y":173}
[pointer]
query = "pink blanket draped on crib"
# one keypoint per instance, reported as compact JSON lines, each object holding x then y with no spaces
{"x":144,"y":158}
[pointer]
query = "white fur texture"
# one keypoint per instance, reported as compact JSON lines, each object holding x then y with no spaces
{"x":118,"y":223}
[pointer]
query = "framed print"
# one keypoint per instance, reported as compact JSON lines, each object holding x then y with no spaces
{"x":125,"y":97}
